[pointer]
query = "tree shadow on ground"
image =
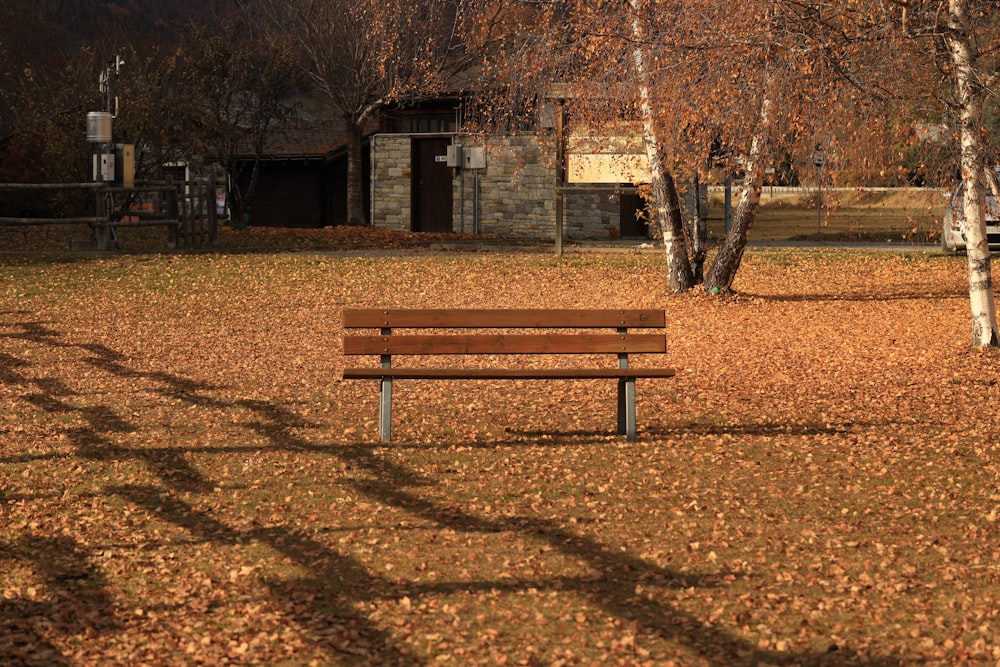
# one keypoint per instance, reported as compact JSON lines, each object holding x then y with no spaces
{"x":91,"y":440}
{"x":332,"y":588}
{"x":883,"y":296}
{"x":70,"y":598}
{"x":326,"y":599}
{"x":619,"y":572}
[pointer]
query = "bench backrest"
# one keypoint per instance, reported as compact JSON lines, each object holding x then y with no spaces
{"x":387,"y":343}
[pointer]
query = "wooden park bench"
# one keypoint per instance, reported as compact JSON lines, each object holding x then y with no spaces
{"x":511,"y":332}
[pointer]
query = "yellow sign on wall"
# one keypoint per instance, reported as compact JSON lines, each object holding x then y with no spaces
{"x":607,"y":168}
{"x":605,"y":159}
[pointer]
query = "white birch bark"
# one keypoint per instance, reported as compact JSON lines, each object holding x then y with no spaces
{"x":665,"y":205}
{"x":971,"y":98}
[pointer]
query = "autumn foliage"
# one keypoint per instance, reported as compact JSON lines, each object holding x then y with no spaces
{"x":185,"y":481}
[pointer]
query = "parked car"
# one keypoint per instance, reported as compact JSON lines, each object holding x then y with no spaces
{"x":953,"y":230}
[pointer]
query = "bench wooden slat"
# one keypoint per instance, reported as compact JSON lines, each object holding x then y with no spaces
{"x":507,"y":344}
{"x":506,"y":373}
{"x":377,"y":318}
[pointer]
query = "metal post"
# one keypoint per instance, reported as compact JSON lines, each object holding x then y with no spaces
{"x":385,"y":398}
{"x":461,"y":190}
{"x":560,"y":178}
{"x":626,"y":399}
{"x":101,"y":228}
{"x":819,"y":199}
{"x":475,"y":202}
{"x":630,"y":419}
{"x":818,"y":160}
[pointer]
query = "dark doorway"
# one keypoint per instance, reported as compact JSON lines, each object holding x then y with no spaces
{"x":432,"y":198}
{"x":629,"y":224}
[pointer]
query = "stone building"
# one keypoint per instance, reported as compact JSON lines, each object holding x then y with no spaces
{"x":507,"y":188}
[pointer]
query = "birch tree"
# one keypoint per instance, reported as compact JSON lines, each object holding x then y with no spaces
{"x":664,"y":191}
{"x":970,"y":40}
{"x":955,"y":62}
{"x":694,"y":73}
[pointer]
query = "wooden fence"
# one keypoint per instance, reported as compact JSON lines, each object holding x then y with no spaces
{"x":186,"y":209}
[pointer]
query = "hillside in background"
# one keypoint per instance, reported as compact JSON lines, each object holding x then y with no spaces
{"x":41,"y":39}
{"x":164,"y":14}
{"x":37,"y":30}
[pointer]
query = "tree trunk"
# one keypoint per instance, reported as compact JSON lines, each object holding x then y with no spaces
{"x":666,"y":206}
{"x":727,"y":261}
{"x":971,"y":98}
{"x":234,"y":196}
{"x":356,"y":214}
{"x":697,"y":232}
{"x":679,"y":271}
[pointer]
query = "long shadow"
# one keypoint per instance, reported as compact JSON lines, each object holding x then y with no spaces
{"x":333,"y":588}
{"x":38,"y":332}
{"x":337,"y":581}
{"x":620,"y":572}
{"x":91,"y":441}
{"x":885,"y":297}
{"x":613,"y":590}
{"x":72,"y":600}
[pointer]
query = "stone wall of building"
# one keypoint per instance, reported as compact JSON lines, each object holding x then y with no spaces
{"x":390,"y":181}
{"x":516,"y":191}
{"x":592,"y":216}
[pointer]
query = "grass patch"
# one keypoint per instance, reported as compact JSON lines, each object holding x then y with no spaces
{"x":908,"y":215}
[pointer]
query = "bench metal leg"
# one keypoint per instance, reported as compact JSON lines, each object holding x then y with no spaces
{"x":385,"y":410}
{"x":626,"y":399}
{"x":626,"y":409}
{"x":385,"y":397}
{"x":630,"y":429}
{"x":622,"y":407}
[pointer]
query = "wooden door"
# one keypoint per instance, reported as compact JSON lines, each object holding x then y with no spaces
{"x":631,"y":226}
{"x":432,"y":197}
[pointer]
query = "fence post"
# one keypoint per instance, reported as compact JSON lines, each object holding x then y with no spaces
{"x":101,"y":227}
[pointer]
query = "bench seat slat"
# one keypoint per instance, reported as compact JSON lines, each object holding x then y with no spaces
{"x":378,"y":318}
{"x":506,"y":373}
{"x":506,"y":344}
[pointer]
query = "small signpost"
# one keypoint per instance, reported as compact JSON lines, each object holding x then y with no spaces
{"x":819,"y":157}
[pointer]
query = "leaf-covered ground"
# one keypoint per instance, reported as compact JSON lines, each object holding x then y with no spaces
{"x":185,"y":481}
